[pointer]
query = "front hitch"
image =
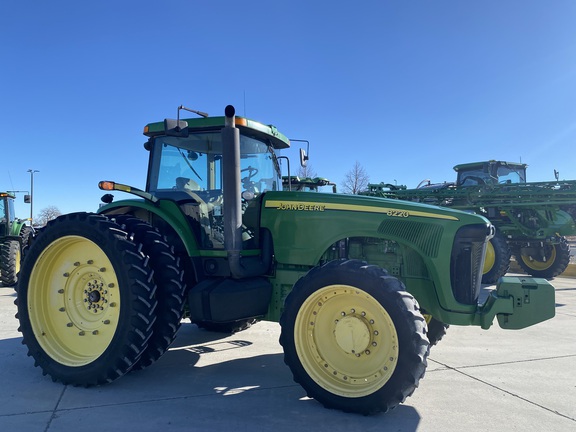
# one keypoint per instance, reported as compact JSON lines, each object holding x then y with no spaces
{"x":519,"y":302}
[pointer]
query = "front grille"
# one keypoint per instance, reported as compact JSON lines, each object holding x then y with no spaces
{"x":427,"y":236}
{"x":468,"y":261}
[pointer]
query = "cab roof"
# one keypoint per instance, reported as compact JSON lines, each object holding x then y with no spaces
{"x":472,"y":165}
{"x":251,"y":127}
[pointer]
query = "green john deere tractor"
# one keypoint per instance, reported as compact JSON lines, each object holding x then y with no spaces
{"x":351,"y":279}
{"x":532,"y":219}
{"x":14,"y":236}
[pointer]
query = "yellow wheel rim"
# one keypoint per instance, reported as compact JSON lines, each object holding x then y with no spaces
{"x":489,"y":258}
{"x":73,"y":301}
{"x":540,"y":265}
{"x":427,"y":318}
{"x":18,"y":259}
{"x":346,"y":341}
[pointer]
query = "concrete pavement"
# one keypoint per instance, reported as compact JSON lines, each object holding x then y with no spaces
{"x":476,"y":380}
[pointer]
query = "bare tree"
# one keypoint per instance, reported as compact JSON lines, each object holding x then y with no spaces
{"x":307,"y":171}
{"x":356,"y":180}
{"x":47,"y":214}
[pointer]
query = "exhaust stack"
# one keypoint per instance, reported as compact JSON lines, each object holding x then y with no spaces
{"x":239,"y":267}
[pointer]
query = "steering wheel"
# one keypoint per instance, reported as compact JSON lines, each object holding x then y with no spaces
{"x":247,"y":182}
{"x":251,"y":172}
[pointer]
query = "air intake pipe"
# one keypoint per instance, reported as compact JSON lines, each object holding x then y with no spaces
{"x":248,"y":266}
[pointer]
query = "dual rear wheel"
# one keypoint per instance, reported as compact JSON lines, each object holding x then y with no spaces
{"x":88,"y":302}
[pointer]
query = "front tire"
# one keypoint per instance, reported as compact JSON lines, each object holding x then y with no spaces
{"x":497,"y":259}
{"x":353,"y":337}
{"x":85,"y":300}
{"x":436,"y":329}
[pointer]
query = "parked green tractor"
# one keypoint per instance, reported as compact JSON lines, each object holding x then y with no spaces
{"x":303,"y":184}
{"x":14,"y":235}
{"x":352,"y":280}
{"x":532,"y":220}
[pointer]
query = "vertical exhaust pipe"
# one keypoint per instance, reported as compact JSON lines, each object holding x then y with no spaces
{"x":231,"y":183}
{"x":239,"y":267}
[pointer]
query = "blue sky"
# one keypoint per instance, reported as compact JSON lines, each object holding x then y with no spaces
{"x":406,"y":88}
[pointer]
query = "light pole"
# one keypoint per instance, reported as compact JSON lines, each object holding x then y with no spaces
{"x":31,"y":171}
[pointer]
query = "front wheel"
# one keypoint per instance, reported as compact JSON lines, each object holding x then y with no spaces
{"x":550,"y":260}
{"x":436,"y":329}
{"x":353,"y":337}
{"x":496,"y":260}
{"x":85,"y":300}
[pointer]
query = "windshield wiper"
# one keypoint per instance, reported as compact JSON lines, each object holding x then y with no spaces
{"x":189,"y":164}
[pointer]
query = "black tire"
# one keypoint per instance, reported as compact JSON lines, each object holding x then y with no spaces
{"x":436,"y":330}
{"x":497,"y":259}
{"x":85,"y":300}
{"x":558,"y":258}
{"x":26,"y":235}
{"x":9,"y":262}
{"x":170,"y":287}
{"x":353,"y":337}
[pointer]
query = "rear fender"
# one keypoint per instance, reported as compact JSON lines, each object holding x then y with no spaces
{"x":165,"y":210}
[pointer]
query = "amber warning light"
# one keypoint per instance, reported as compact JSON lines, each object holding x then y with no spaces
{"x":106,"y":185}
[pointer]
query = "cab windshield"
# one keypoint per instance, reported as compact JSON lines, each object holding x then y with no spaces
{"x":194,"y":163}
{"x":511,"y":174}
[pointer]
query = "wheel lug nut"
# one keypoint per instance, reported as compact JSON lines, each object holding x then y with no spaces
{"x":90,"y":262}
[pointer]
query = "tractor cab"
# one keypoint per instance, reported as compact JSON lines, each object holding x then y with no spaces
{"x":490,"y":173}
{"x":186,"y":166}
{"x":6,"y":213}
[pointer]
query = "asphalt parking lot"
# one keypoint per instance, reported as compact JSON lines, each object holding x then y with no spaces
{"x":476,"y":380}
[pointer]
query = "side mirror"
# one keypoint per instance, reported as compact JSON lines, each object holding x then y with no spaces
{"x":178,"y":128}
{"x":27,"y":199}
{"x":303,"y":158}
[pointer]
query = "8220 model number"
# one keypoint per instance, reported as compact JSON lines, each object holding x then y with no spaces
{"x":398,"y":213}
